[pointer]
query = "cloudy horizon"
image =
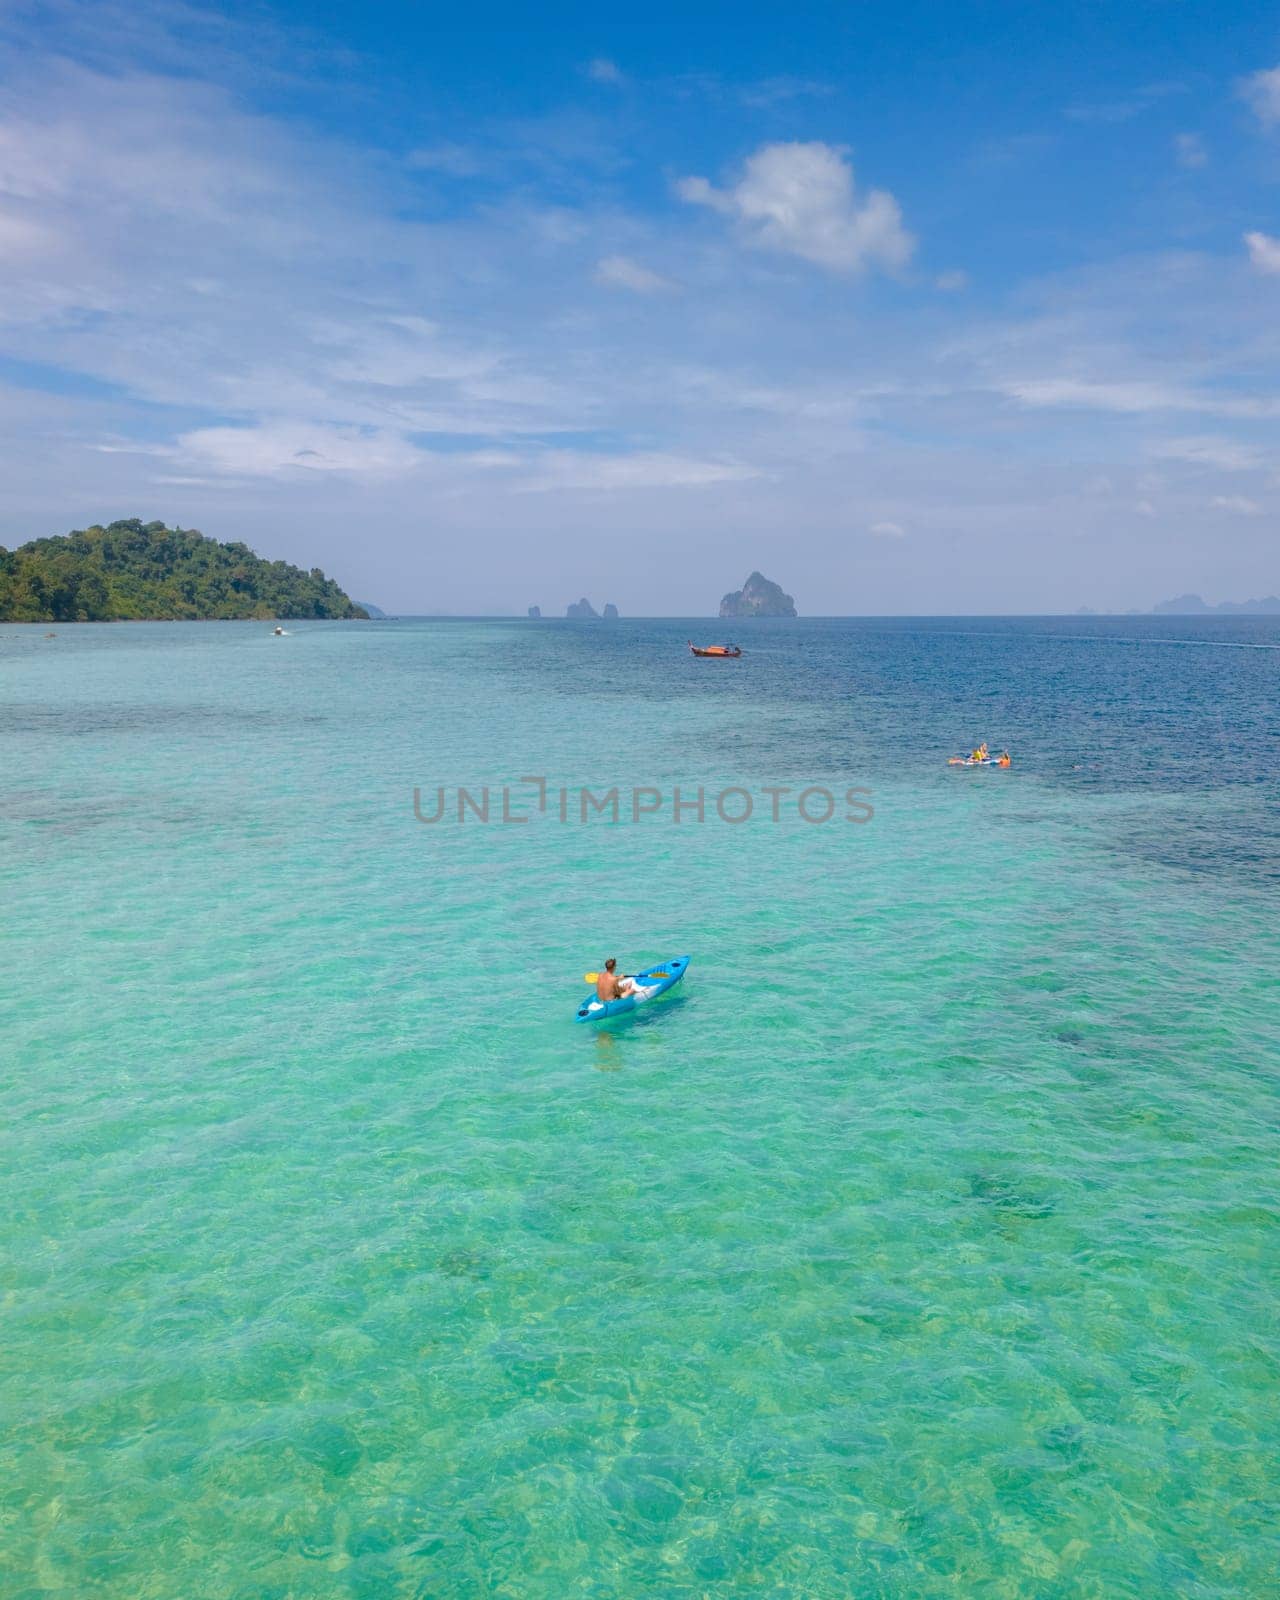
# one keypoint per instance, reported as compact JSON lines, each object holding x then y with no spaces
{"x":982,"y":322}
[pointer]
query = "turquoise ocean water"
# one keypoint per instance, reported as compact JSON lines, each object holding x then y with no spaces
{"x":923,"y":1242}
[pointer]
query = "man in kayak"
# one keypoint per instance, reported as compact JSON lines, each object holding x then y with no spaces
{"x":610,"y":987}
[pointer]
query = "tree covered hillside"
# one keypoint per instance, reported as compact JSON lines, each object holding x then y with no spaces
{"x":143,"y":570}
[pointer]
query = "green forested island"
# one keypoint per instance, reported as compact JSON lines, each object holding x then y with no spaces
{"x":143,"y":571}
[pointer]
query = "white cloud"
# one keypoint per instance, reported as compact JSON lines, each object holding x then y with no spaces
{"x":1264,"y":251}
{"x":769,"y":92}
{"x":580,"y":469}
{"x":151,"y":231}
{"x":800,"y":199}
{"x":1141,"y":100}
{"x":1104,"y":111}
{"x":951,"y":282}
{"x":397,"y":352}
{"x":275,"y":448}
{"x":22,"y":238}
{"x":290,"y":449}
{"x":1262,"y":91}
{"x":621,"y":272}
{"x":1190,"y":151}
{"x":1226,"y":455}
{"x":1240,"y":504}
{"x":1131,"y":397}
{"x":602,"y":70}
{"x":1144,"y":508}
{"x":1124,"y":397}
{"x":887,"y":530}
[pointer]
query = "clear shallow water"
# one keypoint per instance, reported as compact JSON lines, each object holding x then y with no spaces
{"x":923,"y":1242}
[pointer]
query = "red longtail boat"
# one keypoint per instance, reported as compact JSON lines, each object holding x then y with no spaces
{"x":729,"y":652}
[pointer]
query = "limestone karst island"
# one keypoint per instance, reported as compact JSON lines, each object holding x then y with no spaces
{"x":758,"y":598}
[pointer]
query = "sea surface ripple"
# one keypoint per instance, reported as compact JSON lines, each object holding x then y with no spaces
{"x":922,"y":1243}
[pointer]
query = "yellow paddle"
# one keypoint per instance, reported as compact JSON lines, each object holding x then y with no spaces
{"x":590,"y":977}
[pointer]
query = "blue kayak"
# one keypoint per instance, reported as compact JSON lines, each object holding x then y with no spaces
{"x":650,"y":983}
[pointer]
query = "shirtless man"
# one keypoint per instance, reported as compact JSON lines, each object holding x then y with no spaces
{"x":609,"y":986}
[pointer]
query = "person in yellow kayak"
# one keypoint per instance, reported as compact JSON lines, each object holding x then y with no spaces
{"x":611,"y":987}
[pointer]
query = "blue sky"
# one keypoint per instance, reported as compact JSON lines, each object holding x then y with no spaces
{"x":918,"y":308}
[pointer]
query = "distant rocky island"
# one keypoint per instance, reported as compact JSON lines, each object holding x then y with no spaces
{"x":758,"y":598}
{"x":584,"y":611}
{"x":1191,"y":605}
{"x":143,"y":571}
{"x":535,"y":613}
{"x":370,"y":610}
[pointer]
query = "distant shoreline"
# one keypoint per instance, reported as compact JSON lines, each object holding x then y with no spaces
{"x":746,"y":624}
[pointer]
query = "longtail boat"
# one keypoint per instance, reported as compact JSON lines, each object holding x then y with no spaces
{"x":729,"y":652}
